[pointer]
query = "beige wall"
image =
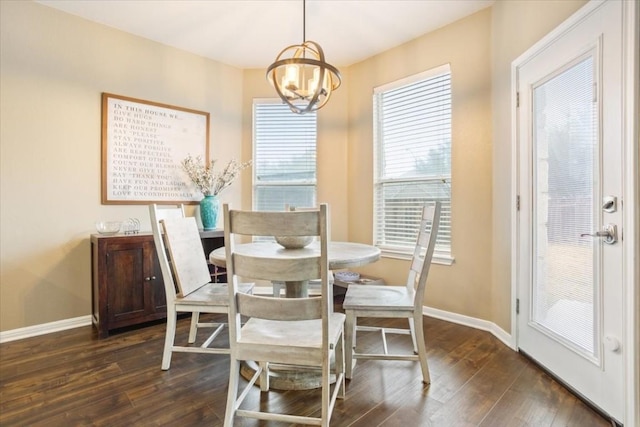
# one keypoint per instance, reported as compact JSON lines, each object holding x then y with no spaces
{"x":516,"y":26}
{"x":54,"y":67}
{"x":465,"y":286}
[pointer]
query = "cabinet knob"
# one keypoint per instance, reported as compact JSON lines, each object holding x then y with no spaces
{"x":146,"y":279}
{"x":153,"y":277}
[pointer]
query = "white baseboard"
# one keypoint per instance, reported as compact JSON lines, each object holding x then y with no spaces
{"x":472,"y":322}
{"x":45,"y":328}
{"x":61,"y":325}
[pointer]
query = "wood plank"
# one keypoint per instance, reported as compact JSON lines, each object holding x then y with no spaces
{"x":73,"y":378}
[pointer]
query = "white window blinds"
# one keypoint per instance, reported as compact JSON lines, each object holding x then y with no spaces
{"x":412,"y":139}
{"x":284,"y":156}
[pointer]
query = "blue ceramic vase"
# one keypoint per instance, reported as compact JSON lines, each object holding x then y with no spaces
{"x":209,"y":207}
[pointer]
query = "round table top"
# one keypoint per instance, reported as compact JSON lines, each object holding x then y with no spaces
{"x":341,"y":254}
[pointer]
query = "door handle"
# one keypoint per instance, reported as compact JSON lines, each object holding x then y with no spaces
{"x":609,"y":232}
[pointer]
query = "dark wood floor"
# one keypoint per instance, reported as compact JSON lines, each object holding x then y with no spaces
{"x":71,"y":378}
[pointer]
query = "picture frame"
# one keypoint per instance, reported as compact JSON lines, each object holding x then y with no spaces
{"x":143,"y":145}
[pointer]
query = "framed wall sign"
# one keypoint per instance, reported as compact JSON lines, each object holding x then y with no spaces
{"x":143,"y":144}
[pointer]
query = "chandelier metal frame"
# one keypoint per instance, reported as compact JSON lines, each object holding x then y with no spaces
{"x":308,"y":59}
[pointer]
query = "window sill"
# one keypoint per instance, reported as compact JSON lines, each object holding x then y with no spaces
{"x":438,"y":258}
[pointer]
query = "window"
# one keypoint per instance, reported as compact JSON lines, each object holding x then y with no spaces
{"x":284,"y":156}
{"x":412,"y":155}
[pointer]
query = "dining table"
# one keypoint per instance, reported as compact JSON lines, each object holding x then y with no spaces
{"x":341,"y":255}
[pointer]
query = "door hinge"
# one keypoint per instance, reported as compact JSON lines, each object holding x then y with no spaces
{"x":518,"y":202}
{"x":517,"y":305}
{"x":517,"y":99}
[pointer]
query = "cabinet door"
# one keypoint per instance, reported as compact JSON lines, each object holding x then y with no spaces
{"x":127,"y":280}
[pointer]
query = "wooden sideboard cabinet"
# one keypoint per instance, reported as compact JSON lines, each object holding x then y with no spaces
{"x":127,"y":286}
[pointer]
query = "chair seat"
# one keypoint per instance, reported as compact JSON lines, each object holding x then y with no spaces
{"x":291,"y":342}
{"x":372,"y":297}
{"x":212,"y":293}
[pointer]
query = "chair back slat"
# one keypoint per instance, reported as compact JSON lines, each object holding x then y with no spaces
{"x":187,"y":253}
{"x":423,"y":238}
{"x":278,"y":269}
{"x":281,"y":309}
{"x":416,"y":264}
{"x":303,"y":223}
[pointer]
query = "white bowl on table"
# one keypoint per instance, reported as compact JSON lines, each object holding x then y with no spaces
{"x":293,"y":242}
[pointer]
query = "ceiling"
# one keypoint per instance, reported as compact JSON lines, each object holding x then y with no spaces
{"x":251,"y":33}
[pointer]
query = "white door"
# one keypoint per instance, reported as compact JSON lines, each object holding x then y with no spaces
{"x":569,"y":130}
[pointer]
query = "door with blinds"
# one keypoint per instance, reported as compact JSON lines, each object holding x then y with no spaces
{"x":570,"y":283}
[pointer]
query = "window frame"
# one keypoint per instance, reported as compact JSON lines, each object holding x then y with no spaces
{"x":301,"y":183}
{"x":442,"y":254}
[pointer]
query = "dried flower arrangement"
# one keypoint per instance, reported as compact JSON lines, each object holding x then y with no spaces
{"x":206,"y":179}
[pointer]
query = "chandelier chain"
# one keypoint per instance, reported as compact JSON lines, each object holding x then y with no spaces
{"x":304,"y":21}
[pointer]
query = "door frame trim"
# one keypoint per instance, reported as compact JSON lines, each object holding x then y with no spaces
{"x":631,"y":222}
{"x":631,"y":190}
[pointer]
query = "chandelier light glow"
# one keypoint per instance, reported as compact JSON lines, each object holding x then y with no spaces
{"x":301,"y":76}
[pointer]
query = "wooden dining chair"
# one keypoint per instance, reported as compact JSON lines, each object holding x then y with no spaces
{"x":303,"y":332}
{"x":183,"y":258}
{"x":395,"y":302}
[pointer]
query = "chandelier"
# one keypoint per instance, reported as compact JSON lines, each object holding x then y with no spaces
{"x":301,"y":76}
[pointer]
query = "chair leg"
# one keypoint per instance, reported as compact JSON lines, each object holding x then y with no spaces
{"x":193,"y":330}
{"x":169,"y":337}
{"x":277,"y":287}
{"x":326,"y":393}
{"x":339,"y":365}
{"x":232,"y":393}
{"x":412,"y":329}
{"x":350,"y":345}
{"x":264,"y":376}
{"x":422,"y":348}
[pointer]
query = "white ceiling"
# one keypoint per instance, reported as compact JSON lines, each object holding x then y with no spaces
{"x":251,"y":33}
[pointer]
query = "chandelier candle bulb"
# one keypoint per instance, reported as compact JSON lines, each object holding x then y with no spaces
{"x":292,"y":75}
